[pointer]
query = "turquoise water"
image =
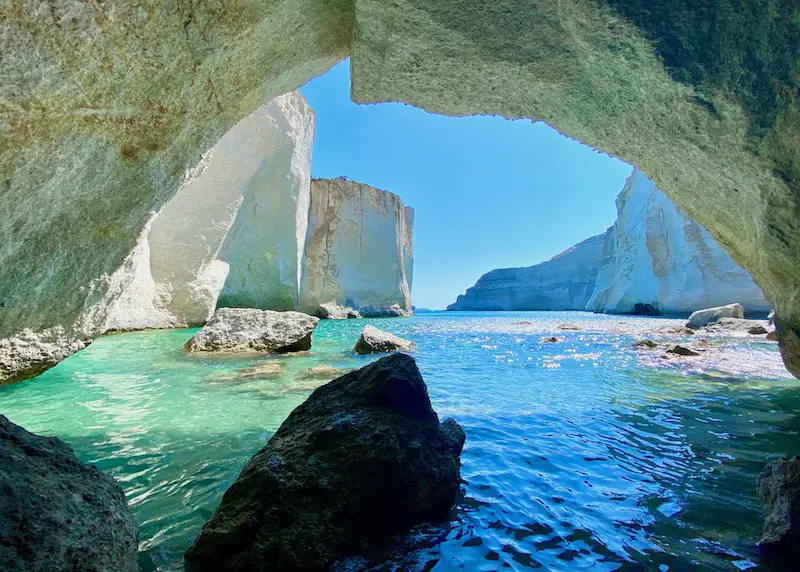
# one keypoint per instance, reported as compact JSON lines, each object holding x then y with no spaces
{"x":585,"y":453}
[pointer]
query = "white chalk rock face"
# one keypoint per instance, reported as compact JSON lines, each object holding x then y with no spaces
{"x":655,"y":254}
{"x":359,"y":248}
{"x":233,"y":235}
{"x":565,"y":282}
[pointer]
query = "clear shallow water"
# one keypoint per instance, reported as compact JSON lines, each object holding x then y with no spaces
{"x":581,"y":454}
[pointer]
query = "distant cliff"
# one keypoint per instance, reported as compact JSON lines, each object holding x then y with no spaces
{"x":359,"y":248}
{"x":565,"y":282}
{"x":655,"y":254}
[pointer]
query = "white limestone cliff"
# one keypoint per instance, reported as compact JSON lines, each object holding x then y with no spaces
{"x":233,"y":234}
{"x":565,"y":282}
{"x":359,"y":248}
{"x":655,"y":254}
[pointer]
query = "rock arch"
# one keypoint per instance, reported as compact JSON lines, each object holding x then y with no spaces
{"x":103,"y":107}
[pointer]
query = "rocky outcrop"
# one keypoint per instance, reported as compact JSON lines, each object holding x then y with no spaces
{"x":565,"y":282}
{"x":57,"y":513}
{"x":702,"y":318}
{"x":359,"y":250}
{"x":97,"y":128}
{"x":375,"y":341}
{"x":233,"y":234}
{"x":250,"y":330}
{"x":332,"y":311}
{"x":363,"y":459}
{"x":31,"y":353}
{"x":656,"y":256}
{"x":779,"y":491}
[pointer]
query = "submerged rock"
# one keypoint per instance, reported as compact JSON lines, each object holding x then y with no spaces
{"x":677,"y":330}
{"x":322,"y":372}
{"x":263,"y":371}
{"x":779,"y":491}
{"x":332,"y":311}
{"x":249,"y":330}
{"x":58,"y":514}
{"x":375,"y":341}
{"x":570,"y":327}
{"x":30,"y":353}
{"x":682,"y":351}
{"x":708,"y":316}
{"x":363,"y":459}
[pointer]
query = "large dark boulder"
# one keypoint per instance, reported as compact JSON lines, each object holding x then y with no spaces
{"x":779,"y":490}
{"x":58,"y":514}
{"x":363,"y":459}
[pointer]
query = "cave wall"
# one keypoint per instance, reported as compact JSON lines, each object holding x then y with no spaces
{"x":105,"y":106}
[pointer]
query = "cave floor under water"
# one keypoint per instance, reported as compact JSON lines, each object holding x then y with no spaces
{"x":585,"y":453}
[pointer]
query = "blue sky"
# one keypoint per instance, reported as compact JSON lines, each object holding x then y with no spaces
{"x":488,"y":192}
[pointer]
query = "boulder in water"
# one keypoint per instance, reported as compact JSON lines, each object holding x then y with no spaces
{"x":58,"y":514}
{"x":362,"y":459}
{"x":682,"y":351}
{"x":779,"y":491}
{"x":708,"y":316}
{"x":251,"y":330}
{"x":757,"y":330}
{"x":649,"y":344}
{"x":375,"y":341}
{"x":332,"y":311}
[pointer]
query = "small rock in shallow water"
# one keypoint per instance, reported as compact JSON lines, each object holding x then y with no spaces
{"x":250,"y":330}
{"x":571,"y":327}
{"x":779,"y":491}
{"x":322,"y":372}
{"x":772,"y":336}
{"x":645,"y":344}
{"x":263,"y":371}
{"x":682,"y":351}
{"x":58,"y":514}
{"x":757,"y":330}
{"x":362,"y":459}
{"x":550,"y":340}
{"x":332,"y":311}
{"x":677,"y":330}
{"x":375,"y":341}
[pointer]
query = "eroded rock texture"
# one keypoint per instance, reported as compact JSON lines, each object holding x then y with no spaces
{"x":565,"y":282}
{"x":656,"y":255}
{"x":359,"y":250}
{"x":30,"y":353}
{"x":58,"y":514}
{"x":779,"y":491}
{"x":362,"y":459}
{"x":251,"y":330}
{"x":233,"y":234}
{"x":105,"y":106}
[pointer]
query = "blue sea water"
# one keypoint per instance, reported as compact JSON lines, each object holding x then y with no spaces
{"x":584,"y":453}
